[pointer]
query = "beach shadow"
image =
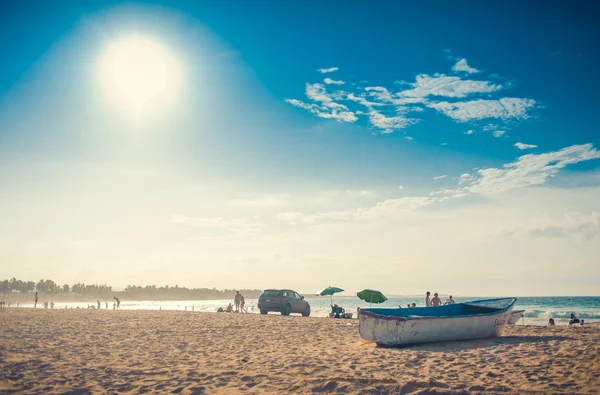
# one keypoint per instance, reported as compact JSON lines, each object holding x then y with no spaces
{"x":479,"y":343}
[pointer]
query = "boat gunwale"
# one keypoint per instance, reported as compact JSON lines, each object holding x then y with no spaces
{"x":421,"y":317}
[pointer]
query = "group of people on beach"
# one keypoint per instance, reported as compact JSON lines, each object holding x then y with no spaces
{"x":436,"y":301}
{"x":431,"y":302}
{"x":240,"y":305}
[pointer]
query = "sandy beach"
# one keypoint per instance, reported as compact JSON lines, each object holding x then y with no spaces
{"x":88,"y":351}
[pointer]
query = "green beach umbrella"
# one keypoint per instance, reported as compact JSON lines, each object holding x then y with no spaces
{"x":330,"y":291}
{"x":371,"y":296}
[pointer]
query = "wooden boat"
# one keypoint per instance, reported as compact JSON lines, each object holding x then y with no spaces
{"x":462,"y":321}
{"x":515,"y":316}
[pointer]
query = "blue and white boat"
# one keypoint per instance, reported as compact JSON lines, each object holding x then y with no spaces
{"x":462,"y":321}
{"x":515,"y":316}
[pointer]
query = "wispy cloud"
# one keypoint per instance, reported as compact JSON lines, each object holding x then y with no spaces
{"x":499,"y":133}
{"x":524,"y":146}
{"x":528,"y":170}
{"x":389,"y":124}
{"x":505,"y":108}
{"x":462,"y":65}
{"x":400,"y":186}
{"x":329,"y":70}
{"x":324,"y":106}
{"x":586,"y":225}
{"x":440,"y":177}
{"x":447,"y":86}
{"x":329,"y":81}
{"x":391,"y":110}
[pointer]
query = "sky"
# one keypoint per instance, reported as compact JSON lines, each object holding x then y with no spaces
{"x":400,"y":146}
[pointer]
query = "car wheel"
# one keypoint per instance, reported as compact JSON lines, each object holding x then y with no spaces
{"x":306,"y":312}
{"x":263,"y":312}
{"x":287,"y":309}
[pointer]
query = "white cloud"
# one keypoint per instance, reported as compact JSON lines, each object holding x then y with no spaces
{"x":447,"y":86}
{"x":400,"y":186}
{"x":527,"y":170}
{"x":531,"y":169}
{"x":361,"y":100}
{"x":572,"y":224}
{"x":329,"y":70}
{"x":470,"y":131}
{"x":329,"y":81}
{"x":440,"y":177}
{"x":505,"y":108}
{"x":408,"y":138}
{"x":326,"y":108}
{"x":383,"y":95}
{"x":523,"y":146}
{"x":444,"y":144}
{"x":498,"y":133}
{"x":464,"y":178}
{"x":389,"y":124}
{"x":362,"y":192}
{"x":462,"y":65}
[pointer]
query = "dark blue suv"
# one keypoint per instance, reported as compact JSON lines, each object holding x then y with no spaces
{"x":284,"y":301}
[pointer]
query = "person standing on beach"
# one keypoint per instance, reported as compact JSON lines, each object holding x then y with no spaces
{"x":242,"y":303}
{"x":427,"y":301}
{"x":35,"y":301}
{"x":237,"y":300}
{"x":98,"y":304}
{"x":118,"y":301}
{"x":436,"y":301}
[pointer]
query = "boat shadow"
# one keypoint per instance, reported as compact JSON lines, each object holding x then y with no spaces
{"x":479,"y":343}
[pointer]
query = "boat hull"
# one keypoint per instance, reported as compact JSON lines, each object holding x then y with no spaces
{"x":404,"y":330}
{"x":515,"y":316}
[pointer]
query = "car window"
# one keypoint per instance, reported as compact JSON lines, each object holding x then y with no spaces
{"x":271,"y":293}
{"x":297,"y":295}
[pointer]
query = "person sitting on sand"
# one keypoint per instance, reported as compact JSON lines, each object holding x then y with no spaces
{"x":427,"y":301}
{"x":413,"y":304}
{"x":575,"y":320}
{"x":551,"y":322}
{"x":408,"y":305}
{"x":229,"y":308}
{"x":436,"y":301}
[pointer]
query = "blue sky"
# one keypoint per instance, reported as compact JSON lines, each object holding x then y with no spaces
{"x":326,"y":136}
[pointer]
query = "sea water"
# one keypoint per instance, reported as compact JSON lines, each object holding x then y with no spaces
{"x":537,"y":309}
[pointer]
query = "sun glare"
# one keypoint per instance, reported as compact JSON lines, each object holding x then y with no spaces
{"x":136,"y":72}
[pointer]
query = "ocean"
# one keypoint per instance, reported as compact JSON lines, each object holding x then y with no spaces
{"x":537,"y":309}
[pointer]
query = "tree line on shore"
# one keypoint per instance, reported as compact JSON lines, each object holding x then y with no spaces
{"x":23,"y":290}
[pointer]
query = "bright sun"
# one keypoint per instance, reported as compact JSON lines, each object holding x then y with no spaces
{"x":136,"y":71}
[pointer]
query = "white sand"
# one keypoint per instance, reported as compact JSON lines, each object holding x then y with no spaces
{"x":88,"y":351}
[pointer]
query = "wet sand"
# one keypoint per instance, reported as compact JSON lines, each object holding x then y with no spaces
{"x":88,"y":351}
